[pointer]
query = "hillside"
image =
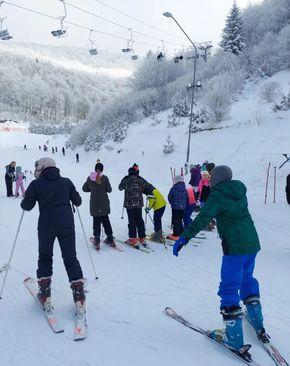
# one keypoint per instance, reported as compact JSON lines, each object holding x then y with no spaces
{"x":124,"y":307}
{"x":57,"y":84}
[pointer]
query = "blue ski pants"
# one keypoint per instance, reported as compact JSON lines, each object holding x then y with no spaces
{"x":237,"y":281}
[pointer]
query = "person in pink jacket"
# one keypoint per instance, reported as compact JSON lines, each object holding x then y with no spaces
{"x":19,"y":177}
{"x":203,"y":187}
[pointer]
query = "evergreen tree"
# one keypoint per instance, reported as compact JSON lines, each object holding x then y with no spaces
{"x":232,"y":37}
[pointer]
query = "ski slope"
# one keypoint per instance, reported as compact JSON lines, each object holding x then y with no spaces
{"x":126,"y":324}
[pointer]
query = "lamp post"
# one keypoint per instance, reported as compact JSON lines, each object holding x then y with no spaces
{"x":195,"y":57}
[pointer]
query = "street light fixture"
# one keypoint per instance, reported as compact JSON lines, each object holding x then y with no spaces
{"x":167,"y":14}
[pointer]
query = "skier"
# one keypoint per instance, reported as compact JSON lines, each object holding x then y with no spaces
{"x":25,"y":147}
{"x":177,"y":198}
{"x":39,"y":147}
{"x":55,"y":149}
{"x":99,"y":186}
{"x":63,"y":151}
{"x":19,"y":177}
{"x":9,"y":178}
{"x":287,"y":189}
{"x":155,"y":201}
{"x":54,"y":195}
{"x":52,"y":150}
{"x":203,"y":187}
{"x":228,"y":204}
{"x":77,"y":158}
{"x":134,"y":186}
{"x":195,"y":177}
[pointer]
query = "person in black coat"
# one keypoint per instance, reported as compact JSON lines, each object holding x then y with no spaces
{"x":54,"y":195}
{"x":99,"y":186}
{"x":9,"y":177}
{"x":134,"y":186}
{"x":287,"y":189}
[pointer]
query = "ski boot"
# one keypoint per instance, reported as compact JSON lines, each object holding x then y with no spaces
{"x":77,"y":287}
{"x":172,"y":237}
{"x":255,"y":317}
{"x":133,"y":242}
{"x":96,"y":243}
{"x":143,"y":242}
{"x":232,"y":335}
{"x":158,"y":237}
{"x":44,"y":291}
{"x":110,"y":241}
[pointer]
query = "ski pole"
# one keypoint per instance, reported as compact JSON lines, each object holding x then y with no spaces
{"x":11,"y":253}
{"x":122,"y":217}
{"x":275,"y":179}
{"x":171,"y":171}
{"x":86,"y":240}
{"x":267,"y":182}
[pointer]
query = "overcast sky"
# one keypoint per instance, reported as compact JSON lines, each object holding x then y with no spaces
{"x":202,"y":19}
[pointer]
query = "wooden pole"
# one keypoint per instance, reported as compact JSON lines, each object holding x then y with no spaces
{"x":267,"y":183}
{"x":275,"y":181}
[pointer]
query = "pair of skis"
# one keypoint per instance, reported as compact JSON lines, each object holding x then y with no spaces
{"x":80,"y":329}
{"x":242,"y":354}
{"x":113,"y":245}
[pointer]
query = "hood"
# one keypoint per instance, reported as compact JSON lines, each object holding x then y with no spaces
{"x":180,"y":186}
{"x":50,"y":173}
{"x":233,"y":188}
{"x":18,"y":169}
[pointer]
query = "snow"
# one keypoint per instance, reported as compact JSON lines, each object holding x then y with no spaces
{"x":124,"y":306}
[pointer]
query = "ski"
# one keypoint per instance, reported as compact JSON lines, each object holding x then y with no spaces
{"x":140,"y":247}
{"x":80,"y":330}
{"x":243,"y":355}
{"x":272,"y":351}
{"x":114,"y":245}
{"x":48,"y":310}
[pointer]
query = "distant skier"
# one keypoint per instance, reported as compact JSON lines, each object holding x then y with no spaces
{"x":99,"y":186}
{"x":52,"y":150}
{"x":9,"y":178}
{"x":55,"y":149}
{"x":55,"y":195}
{"x":19,"y":177}
{"x":134,"y":186}
{"x":63,"y":151}
{"x":77,"y":158}
{"x":287,"y":189}
{"x":39,"y":147}
{"x":155,"y":201}
{"x":25,"y":147}
{"x":177,"y":198}
{"x":227,"y":203}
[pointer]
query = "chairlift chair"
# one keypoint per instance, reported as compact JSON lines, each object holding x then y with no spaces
{"x":60,"y":33}
{"x":4,"y":34}
{"x":160,"y":56}
{"x":134,"y":57}
{"x":93,"y":51}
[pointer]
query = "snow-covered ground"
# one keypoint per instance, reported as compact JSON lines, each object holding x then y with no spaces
{"x":124,"y":306}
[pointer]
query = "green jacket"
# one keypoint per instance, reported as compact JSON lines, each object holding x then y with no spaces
{"x":228,"y":204}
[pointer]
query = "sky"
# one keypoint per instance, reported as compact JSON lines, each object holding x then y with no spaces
{"x":203,"y":20}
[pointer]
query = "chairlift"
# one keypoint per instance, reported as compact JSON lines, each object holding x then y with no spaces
{"x":93,"y":51}
{"x":4,"y":34}
{"x":134,"y":57}
{"x":60,"y":33}
{"x":177,"y":59}
{"x":198,"y":84}
{"x":160,"y":54}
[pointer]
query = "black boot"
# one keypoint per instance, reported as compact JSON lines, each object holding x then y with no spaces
{"x":44,"y":291}
{"x":77,"y":287}
{"x":109,"y":240}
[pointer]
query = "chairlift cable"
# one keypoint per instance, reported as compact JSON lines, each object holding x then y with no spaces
{"x":118,"y":24}
{"x":76,"y":24}
{"x":138,"y":20}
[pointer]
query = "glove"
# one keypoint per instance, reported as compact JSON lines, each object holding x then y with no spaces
{"x":147,"y":210}
{"x":179,"y":244}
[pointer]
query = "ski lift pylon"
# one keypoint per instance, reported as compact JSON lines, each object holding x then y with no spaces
{"x":93,"y":51}
{"x":59,"y":33}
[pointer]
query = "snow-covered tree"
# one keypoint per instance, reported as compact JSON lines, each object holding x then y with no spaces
{"x":232,"y":36}
{"x":169,"y":147}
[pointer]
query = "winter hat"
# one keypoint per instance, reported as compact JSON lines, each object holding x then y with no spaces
{"x":177,"y":179}
{"x":42,"y":164}
{"x":219,"y":174}
{"x":209,"y":166}
{"x":133,"y":171}
{"x":18,"y":169}
{"x":205,"y":174}
{"x":99,"y":166}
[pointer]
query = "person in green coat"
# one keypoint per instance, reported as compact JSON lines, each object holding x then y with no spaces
{"x":228,"y":204}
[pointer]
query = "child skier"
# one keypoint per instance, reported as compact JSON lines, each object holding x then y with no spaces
{"x":9,"y":178}
{"x":134,"y":186}
{"x":190,"y":206}
{"x":19,"y":177}
{"x":203,"y":187}
{"x":177,"y":198}
{"x":228,"y":204}
{"x":99,"y":186}
{"x":155,"y":201}
{"x":54,"y":195}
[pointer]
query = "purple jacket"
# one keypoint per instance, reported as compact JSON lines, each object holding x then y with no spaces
{"x":177,"y":196}
{"x":195,"y":177}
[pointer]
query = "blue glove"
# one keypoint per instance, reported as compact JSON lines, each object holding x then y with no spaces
{"x":179,"y":244}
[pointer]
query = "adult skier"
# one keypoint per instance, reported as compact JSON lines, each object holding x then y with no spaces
{"x":9,"y":177}
{"x":55,"y":195}
{"x":287,"y":189}
{"x":134,"y":186}
{"x":99,"y":186}
{"x":227,"y":203}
